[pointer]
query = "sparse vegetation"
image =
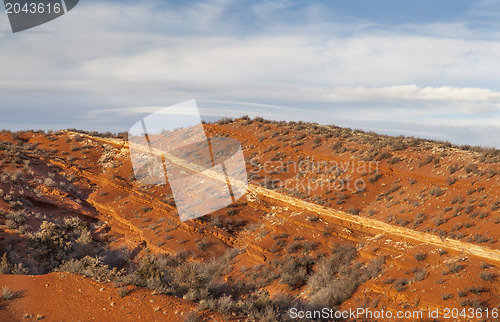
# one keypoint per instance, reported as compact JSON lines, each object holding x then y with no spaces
{"x":7,"y":294}
{"x":123,"y":291}
{"x":488,"y":276}
{"x":401,"y":284}
{"x":456,"y":198}
{"x":420,"y":256}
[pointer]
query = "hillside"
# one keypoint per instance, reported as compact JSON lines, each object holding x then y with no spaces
{"x":332,"y":218}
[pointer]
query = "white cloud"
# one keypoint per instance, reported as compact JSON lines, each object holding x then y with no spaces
{"x":465,"y":95}
{"x":117,"y":55}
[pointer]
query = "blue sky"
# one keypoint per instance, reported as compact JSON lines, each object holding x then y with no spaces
{"x":426,"y":68}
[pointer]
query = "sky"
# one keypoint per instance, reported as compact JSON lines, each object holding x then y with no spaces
{"x":418,"y":68}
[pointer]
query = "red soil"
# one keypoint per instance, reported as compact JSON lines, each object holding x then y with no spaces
{"x":402,"y":179}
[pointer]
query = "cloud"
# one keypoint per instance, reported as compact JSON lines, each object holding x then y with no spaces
{"x":109,"y":58}
{"x":466,"y":95}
